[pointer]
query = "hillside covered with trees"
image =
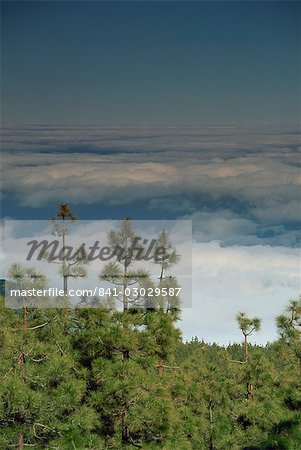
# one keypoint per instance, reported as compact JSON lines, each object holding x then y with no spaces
{"x":122,"y":378}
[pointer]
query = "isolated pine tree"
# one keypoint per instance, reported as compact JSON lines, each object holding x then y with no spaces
{"x":72,"y":262}
{"x":123,"y":273}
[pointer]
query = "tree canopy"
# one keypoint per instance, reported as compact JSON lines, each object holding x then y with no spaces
{"x":123,"y":378}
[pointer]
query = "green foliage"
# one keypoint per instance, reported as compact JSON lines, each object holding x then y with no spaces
{"x":123,"y":271}
{"x":65,"y":384}
{"x":42,"y":385}
{"x":248,"y":326}
{"x":109,"y":378}
{"x":289,"y":326}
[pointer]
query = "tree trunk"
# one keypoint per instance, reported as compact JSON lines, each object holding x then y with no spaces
{"x":246,"y":347}
{"x":24,"y":315}
{"x":20,"y":440}
{"x":249,"y":391}
{"x":126,"y":352}
{"x":161,"y":274}
{"x":211,"y":442}
{"x":124,"y":429}
{"x":125,"y":272}
{"x":65,"y":284}
{"x":160,"y":367}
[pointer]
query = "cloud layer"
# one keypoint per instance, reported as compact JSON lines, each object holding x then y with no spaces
{"x":240,"y":185}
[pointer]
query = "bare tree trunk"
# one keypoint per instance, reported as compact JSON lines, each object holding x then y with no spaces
{"x":246,"y":347}
{"x":65,"y":285}
{"x":161,"y":274}
{"x":24,"y":315}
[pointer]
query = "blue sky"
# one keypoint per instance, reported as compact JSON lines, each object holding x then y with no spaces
{"x":150,"y":63}
{"x":174,"y":110}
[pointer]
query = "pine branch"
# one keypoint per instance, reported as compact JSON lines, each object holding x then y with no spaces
{"x":38,"y":326}
{"x":39,"y":425}
{"x":39,"y":360}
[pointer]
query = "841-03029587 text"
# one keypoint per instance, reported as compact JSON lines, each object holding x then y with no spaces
{"x":140,"y":292}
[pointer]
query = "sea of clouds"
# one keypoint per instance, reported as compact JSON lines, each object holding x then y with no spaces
{"x":239,"y":185}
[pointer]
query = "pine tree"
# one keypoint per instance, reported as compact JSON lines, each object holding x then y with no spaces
{"x":122,"y":273}
{"x":120,"y":350}
{"x":165,"y":307}
{"x":247,"y":326}
{"x":72,"y":261}
{"x":42,"y":385}
{"x":289,"y":326}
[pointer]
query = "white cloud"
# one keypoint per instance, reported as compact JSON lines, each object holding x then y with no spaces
{"x":222,"y":225}
{"x":170,"y":169}
{"x":258,"y":280}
